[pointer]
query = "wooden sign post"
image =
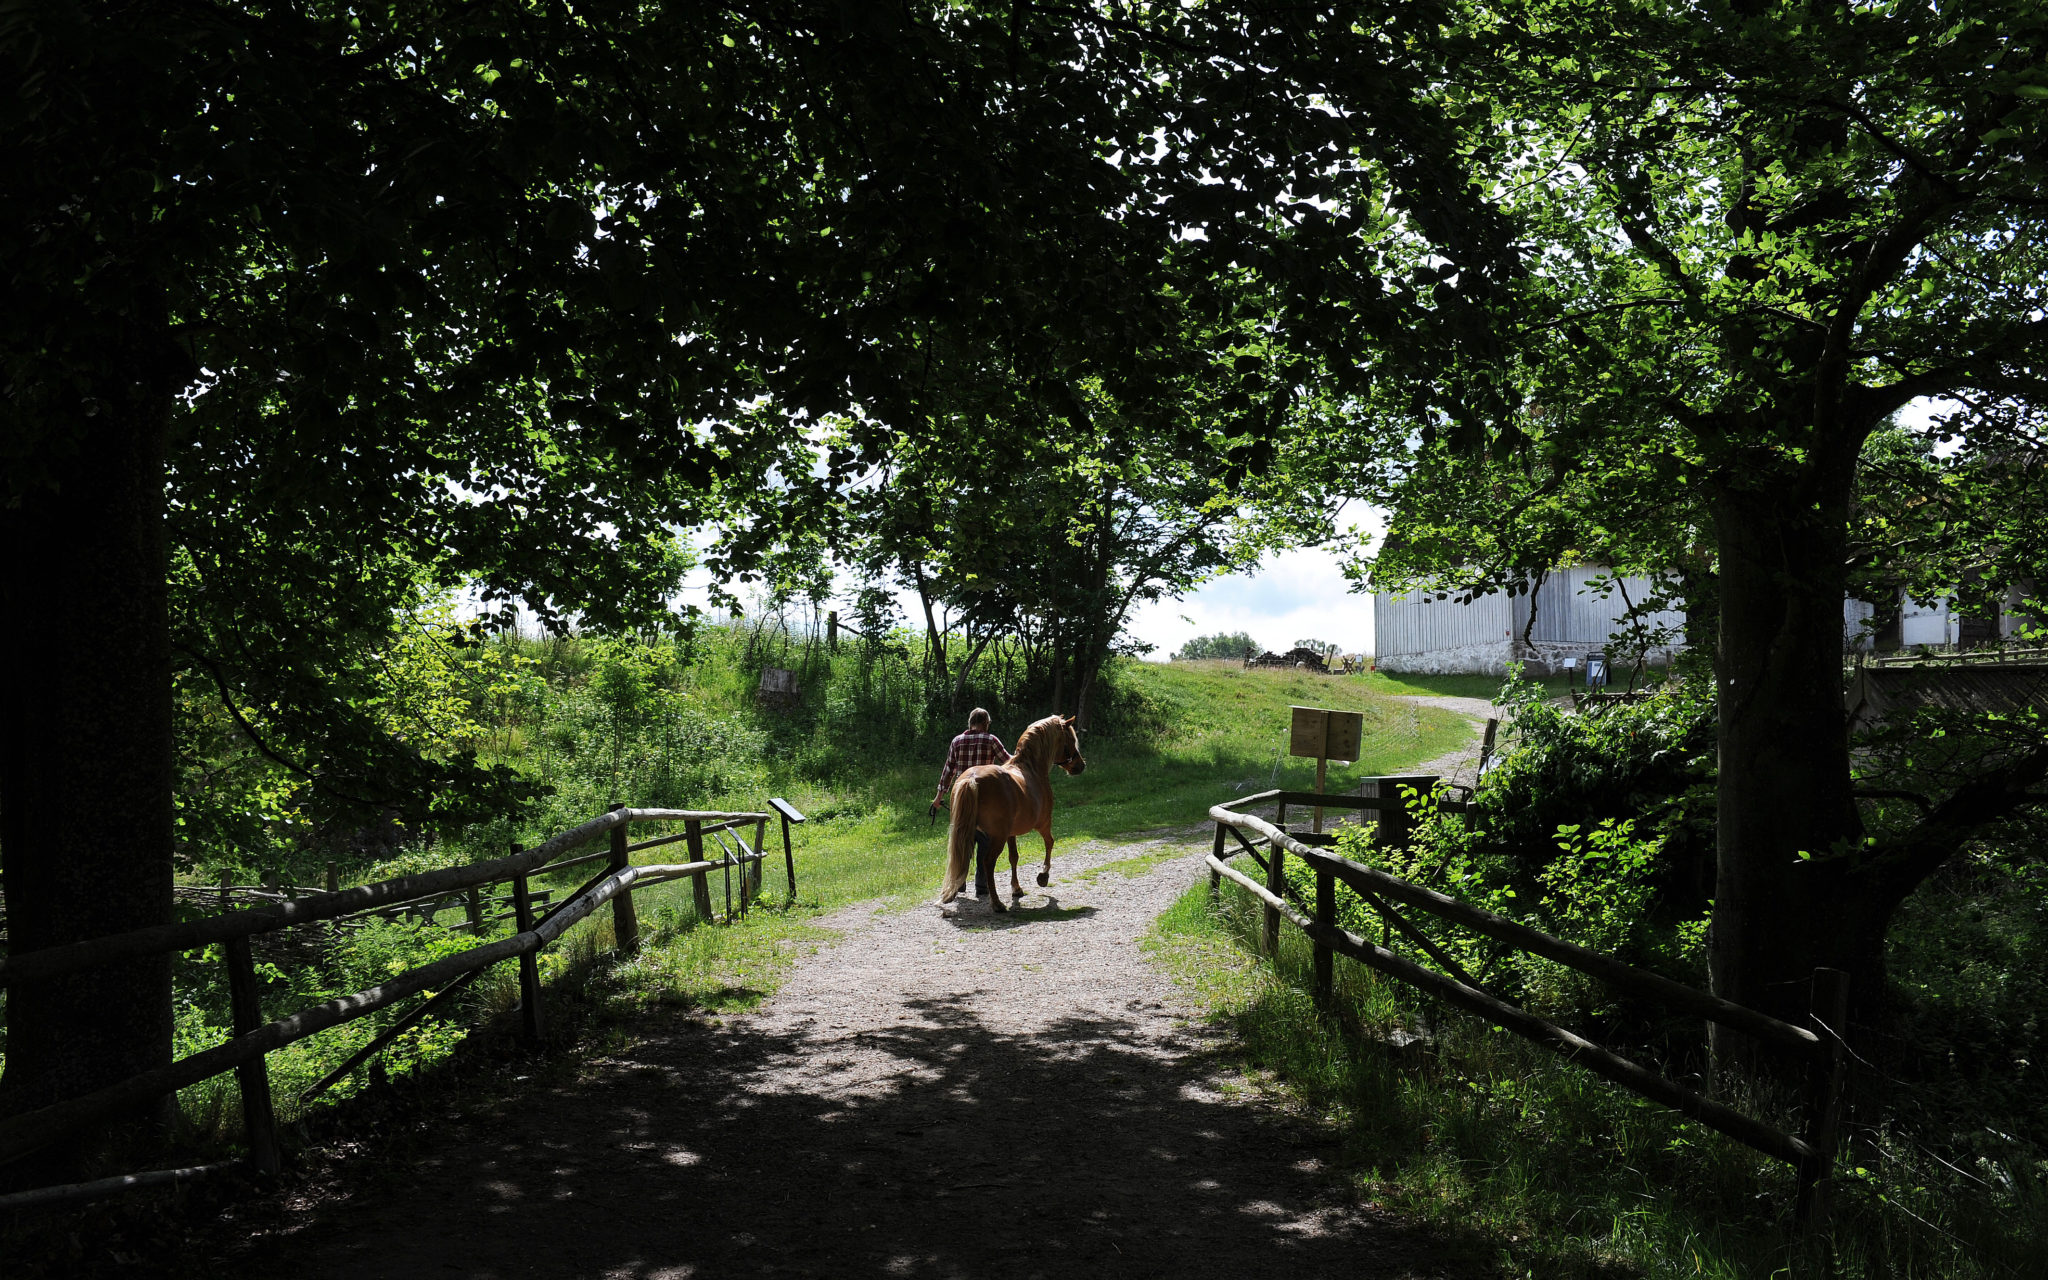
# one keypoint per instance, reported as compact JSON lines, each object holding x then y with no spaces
{"x":1327,"y":735}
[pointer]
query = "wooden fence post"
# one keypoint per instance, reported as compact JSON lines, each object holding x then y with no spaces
{"x":529,"y":964}
{"x":1215,"y":876}
{"x":1326,"y":919}
{"x":1276,"y":880}
{"x":750,"y":882}
{"x":473,"y":909}
{"x":788,"y":857}
{"x":700,"y":888}
{"x":1830,"y":1018}
{"x":259,"y":1122}
{"x":728,"y":859}
{"x":333,"y":880}
{"x":1397,"y":825}
{"x":625,"y":920}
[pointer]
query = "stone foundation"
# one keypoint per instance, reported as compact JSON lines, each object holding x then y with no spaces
{"x":1538,"y":660}
{"x":1488,"y":659}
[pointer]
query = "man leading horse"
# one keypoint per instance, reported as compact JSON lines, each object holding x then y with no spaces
{"x":1000,"y":801}
{"x":978,"y":745}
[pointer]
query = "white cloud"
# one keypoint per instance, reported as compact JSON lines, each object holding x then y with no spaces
{"x":1296,"y":595}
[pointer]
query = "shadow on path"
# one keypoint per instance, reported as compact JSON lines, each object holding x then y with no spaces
{"x":1039,"y":908}
{"x":937,"y":1147}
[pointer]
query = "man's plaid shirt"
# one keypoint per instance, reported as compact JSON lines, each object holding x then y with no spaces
{"x":969,"y":749}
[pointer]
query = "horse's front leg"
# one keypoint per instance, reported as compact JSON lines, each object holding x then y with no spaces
{"x":1045,"y":874}
{"x":1016,"y":889}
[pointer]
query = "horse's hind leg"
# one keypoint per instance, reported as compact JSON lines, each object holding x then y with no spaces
{"x":985,"y":871}
{"x":1016,"y":889}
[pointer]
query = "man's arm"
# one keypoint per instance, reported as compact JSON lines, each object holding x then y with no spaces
{"x":946,"y":774}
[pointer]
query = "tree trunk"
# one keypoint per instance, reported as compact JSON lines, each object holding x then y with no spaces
{"x":86,"y":774}
{"x":1784,"y":791}
{"x":1084,"y":698}
{"x":1058,"y":657}
{"x":960,"y":677}
{"x":935,"y":640}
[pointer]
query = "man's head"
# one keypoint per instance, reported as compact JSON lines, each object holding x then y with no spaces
{"x":977,"y":720}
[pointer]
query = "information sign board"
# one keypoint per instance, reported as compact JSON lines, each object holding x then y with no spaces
{"x":1322,"y":734}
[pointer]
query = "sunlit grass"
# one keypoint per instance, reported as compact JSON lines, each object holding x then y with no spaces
{"x":1536,"y":1167}
{"x":1216,"y":731}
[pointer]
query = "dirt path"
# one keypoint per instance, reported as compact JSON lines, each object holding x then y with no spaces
{"x":1461,"y":765}
{"x":932,"y":1095}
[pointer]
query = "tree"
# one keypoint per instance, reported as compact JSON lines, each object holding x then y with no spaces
{"x":1024,"y":511}
{"x":316,"y":303}
{"x":1235,"y":644}
{"x":1755,"y":232}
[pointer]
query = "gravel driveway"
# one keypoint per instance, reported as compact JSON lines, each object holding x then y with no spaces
{"x":1461,"y":765}
{"x":935,"y":1094}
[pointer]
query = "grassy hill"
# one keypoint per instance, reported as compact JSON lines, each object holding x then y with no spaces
{"x":654,"y":723}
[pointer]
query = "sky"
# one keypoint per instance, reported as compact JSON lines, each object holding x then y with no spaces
{"x":1295,"y":595}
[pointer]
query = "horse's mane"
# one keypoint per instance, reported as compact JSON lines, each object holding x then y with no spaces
{"x":1029,"y":739}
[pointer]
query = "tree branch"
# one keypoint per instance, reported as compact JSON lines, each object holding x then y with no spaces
{"x":263,"y":748}
{"x":1901,"y":864}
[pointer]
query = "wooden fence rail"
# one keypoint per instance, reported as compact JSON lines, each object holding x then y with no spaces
{"x":1811,"y":1154}
{"x":187,"y":935}
{"x":253,"y":1038}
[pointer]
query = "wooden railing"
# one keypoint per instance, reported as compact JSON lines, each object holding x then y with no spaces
{"x":254,"y":1038}
{"x":1811,"y":1153}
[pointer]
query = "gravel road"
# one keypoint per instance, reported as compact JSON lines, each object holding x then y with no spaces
{"x":935,"y":1094}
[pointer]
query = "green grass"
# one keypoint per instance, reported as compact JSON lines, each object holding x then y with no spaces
{"x":1227,"y":735}
{"x":1454,"y":686}
{"x":1536,"y":1168}
{"x":1532,"y":1166}
{"x":1213,"y":731}
{"x":1134,"y":866}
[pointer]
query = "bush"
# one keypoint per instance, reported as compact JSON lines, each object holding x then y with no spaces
{"x":1233,"y":644}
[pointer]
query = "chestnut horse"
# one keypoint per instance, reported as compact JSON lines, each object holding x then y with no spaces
{"x":1007,"y":800}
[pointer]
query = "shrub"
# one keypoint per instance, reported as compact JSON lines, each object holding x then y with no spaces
{"x":1232,"y":644}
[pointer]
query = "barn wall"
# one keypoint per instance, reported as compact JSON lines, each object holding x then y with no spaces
{"x":1570,"y":612}
{"x":1488,"y":659}
{"x":1416,"y":622}
{"x":1415,"y":632}
{"x":1929,"y":624}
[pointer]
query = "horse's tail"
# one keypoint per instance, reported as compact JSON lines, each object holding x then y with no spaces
{"x":959,"y":840}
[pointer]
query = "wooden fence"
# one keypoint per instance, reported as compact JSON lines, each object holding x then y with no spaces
{"x":728,"y":852}
{"x":1810,"y":1153}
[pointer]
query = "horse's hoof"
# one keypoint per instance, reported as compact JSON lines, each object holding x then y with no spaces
{"x":995,"y":904}
{"x":1043,"y":879}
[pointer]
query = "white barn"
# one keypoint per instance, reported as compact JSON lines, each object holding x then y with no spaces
{"x":1415,"y":632}
{"x":1936,"y":624}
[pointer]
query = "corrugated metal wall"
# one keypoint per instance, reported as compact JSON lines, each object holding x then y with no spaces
{"x":1417,"y":622}
{"x":1567,"y":612}
{"x":1579,"y":616}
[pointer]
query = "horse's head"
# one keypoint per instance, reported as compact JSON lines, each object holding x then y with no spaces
{"x":1069,"y":753}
